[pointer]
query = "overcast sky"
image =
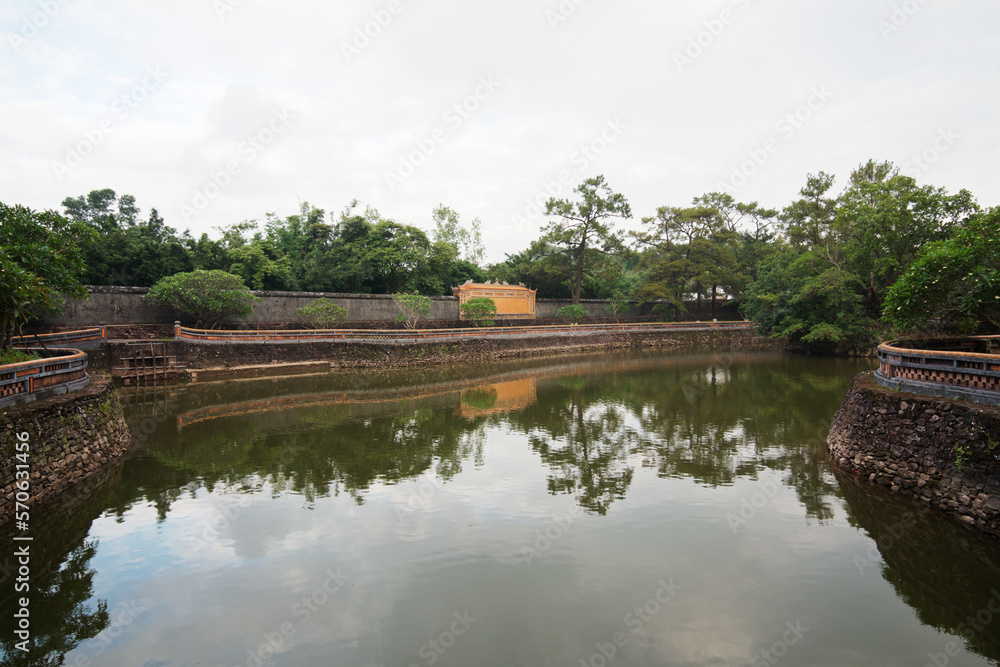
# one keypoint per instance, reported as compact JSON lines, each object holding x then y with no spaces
{"x":218,"y":111}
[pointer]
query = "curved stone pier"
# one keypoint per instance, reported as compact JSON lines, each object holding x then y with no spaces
{"x":70,"y":438}
{"x":945,"y":452}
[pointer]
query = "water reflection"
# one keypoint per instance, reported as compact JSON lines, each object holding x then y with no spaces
{"x":711,"y":417}
{"x":62,"y":612}
{"x":649,"y":452}
{"x":948,"y":573}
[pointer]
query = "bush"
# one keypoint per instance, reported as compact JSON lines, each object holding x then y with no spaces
{"x":574,"y":313}
{"x":322,"y":314}
{"x":208,"y":296}
{"x":12,"y":356}
{"x":665,"y":312}
{"x":617,"y":302}
{"x":411,"y":308}
{"x":480,"y":310}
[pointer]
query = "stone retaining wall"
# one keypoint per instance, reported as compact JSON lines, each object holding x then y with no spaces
{"x":339,"y":354}
{"x":71,"y":438}
{"x":124,"y":306}
{"x":946,"y":453}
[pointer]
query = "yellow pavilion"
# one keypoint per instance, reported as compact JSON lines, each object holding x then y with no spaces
{"x":514,"y":302}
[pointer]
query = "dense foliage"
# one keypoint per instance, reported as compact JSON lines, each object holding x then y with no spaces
{"x":953,"y":285}
{"x":831,"y":272}
{"x":40,"y":264}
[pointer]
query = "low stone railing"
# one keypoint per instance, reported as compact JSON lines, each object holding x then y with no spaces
{"x":28,"y":380}
{"x":84,"y":339}
{"x":966,"y":370}
{"x":410,"y":335}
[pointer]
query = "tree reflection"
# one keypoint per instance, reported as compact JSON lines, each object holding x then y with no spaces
{"x":711,"y":417}
{"x":582,"y":440}
{"x":61,"y":618}
{"x":946,"y":572}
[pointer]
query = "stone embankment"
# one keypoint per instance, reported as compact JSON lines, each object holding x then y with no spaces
{"x":71,"y":438}
{"x":944,"y":452}
{"x":241,"y":358}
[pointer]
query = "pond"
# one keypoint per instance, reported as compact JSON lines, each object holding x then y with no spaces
{"x":615,"y":509}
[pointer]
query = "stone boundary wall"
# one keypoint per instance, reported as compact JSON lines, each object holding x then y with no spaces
{"x":124,"y":305}
{"x":71,"y":438}
{"x":944,"y":452}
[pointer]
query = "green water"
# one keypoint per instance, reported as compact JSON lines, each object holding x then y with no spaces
{"x":626,"y":509}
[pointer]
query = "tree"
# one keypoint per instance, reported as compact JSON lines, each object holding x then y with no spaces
{"x":800,"y":297}
{"x":41,"y":263}
{"x":209,"y":296}
{"x":468,"y":243}
{"x":395,"y":255}
{"x":480,"y":310}
{"x":573,"y":313}
{"x":953,"y":284}
{"x":126,"y":250}
{"x":689,"y":250}
{"x":808,"y":221}
{"x":617,"y":302}
{"x":411,"y":308}
{"x":323,"y":313}
{"x":586,"y":225}
{"x":884,"y":218}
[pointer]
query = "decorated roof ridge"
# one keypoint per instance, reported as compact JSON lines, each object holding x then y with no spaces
{"x":469,"y":285}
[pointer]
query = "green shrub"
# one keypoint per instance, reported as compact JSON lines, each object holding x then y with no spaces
{"x":322,"y":314}
{"x":12,"y":356}
{"x":411,"y":308}
{"x":208,"y":296}
{"x":480,"y":310}
{"x":574,"y":313}
{"x":665,"y":312}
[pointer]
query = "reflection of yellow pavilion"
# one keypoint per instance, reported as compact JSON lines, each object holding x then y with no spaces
{"x":494,"y":398}
{"x":514,"y":302}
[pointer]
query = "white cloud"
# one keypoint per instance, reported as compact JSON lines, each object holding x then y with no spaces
{"x":687,"y":127}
